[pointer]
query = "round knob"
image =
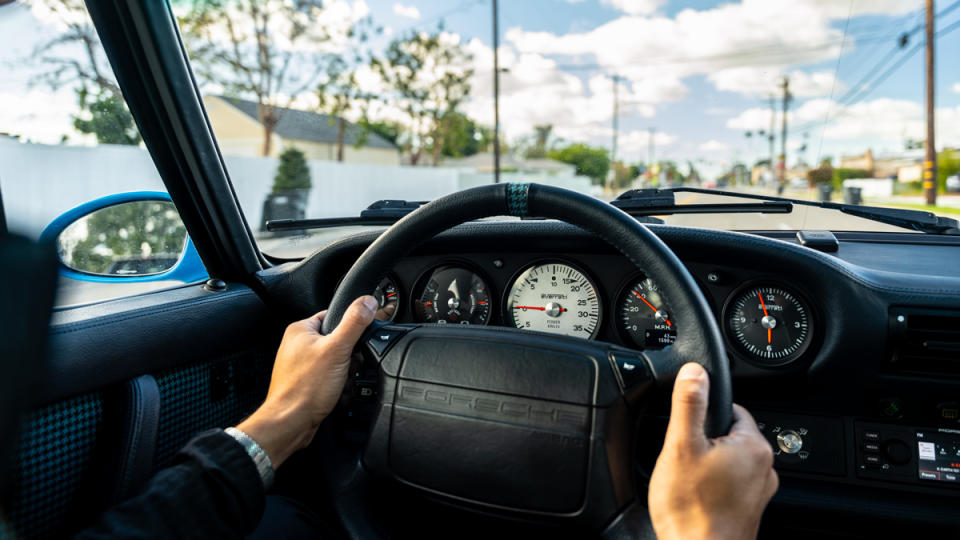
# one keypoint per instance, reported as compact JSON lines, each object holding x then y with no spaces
{"x":897,"y":452}
{"x":789,"y":441}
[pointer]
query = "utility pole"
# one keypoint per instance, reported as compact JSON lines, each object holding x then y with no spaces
{"x":770,"y":136}
{"x":651,"y":131}
{"x":930,"y":160}
{"x":616,"y":117}
{"x":782,"y":166}
{"x":496,"y":94}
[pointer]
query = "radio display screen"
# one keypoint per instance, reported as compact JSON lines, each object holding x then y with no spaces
{"x":938,"y":454}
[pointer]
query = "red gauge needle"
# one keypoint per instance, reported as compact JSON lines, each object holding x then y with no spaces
{"x":764,"y":306}
{"x":391,"y":294}
{"x":651,"y":306}
{"x":536,"y":308}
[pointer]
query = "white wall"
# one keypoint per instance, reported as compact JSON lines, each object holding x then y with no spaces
{"x":872,"y":187}
{"x":40,"y":182}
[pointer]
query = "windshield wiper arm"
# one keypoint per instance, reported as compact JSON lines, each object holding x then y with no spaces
{"x":660,"y":202}
{"x":384,"y":212}
{"x":917,"y":220}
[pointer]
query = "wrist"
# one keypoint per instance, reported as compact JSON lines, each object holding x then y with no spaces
{"x":279,"y":431}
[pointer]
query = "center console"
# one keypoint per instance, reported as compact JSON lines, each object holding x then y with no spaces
{"x":865,"y":453}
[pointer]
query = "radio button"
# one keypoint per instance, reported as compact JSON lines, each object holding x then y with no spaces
{"x":872,"y":436}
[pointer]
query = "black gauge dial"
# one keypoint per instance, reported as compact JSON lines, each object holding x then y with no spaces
{"x":453,"y":295}
{"x":388,"y":297}
{"x":770,"y":324}
{"x":644,"y":317}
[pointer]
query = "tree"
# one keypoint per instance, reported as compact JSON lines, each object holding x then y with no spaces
{"x":339,"y":92}
{"x":292,"y":171}
{"x":103,"y":111}
{"x":108,"y":118}
{"x":591,"y":162}
{"x":541,"y":139}
{"x":387,"y":130}
{"x":429,"y":78}
{"x":272,"y":50}
{"x":464,"y":137}
{"x":948,"y":164}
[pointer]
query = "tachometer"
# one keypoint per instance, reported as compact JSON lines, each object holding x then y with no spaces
{"x":453,"y":295}
{"x":644,"y":316}
{"x":555,"y":298}
{"x":769,"y":323}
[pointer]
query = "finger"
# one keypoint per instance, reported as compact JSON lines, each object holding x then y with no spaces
{"x":689,"y":408}
{"x":743,"y":422}
{"x":354,"y":322}
{"x":315,"y":321}
{"x":386,"y":312}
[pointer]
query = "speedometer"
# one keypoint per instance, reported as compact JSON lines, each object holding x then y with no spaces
{"x":555,"y":298}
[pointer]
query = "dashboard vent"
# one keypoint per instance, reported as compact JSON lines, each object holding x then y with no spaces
{"x":924,"y":341}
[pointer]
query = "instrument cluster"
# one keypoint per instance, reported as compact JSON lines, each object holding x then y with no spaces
{"x":767,"y":323}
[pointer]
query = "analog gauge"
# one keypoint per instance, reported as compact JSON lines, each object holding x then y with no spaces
{"x":555,"y":298}
{"x":388,"y":297}
{"x":769,"y":324}
{"x":644,"y":316}
{"x":453,"y":295}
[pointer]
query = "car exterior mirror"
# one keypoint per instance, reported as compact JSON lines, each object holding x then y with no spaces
{"x":125,"y":237}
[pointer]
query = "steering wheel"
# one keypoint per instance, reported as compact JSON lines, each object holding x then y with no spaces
{"x":517,"y":422}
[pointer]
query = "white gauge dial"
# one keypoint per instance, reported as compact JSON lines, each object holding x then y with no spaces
{"x":555,"y":298}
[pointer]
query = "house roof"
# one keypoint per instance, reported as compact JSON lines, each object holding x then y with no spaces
{"x":309,"y":126}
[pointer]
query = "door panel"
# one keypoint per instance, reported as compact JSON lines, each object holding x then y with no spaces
{"x":129,"y":383}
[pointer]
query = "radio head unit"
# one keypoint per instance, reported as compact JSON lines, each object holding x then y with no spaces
{"x":938,"y":455}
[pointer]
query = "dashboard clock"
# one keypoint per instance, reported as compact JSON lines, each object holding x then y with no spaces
{"x":770,"y":324}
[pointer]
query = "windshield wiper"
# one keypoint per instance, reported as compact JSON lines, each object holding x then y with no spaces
{"x":642,"y":203}
{"x":917,"y":220}
{"x":384,"y":212}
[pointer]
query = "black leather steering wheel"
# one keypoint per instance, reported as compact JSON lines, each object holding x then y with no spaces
{"x":521,"y":422}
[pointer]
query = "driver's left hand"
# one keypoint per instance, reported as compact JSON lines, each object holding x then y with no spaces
{"x":308,"y":377}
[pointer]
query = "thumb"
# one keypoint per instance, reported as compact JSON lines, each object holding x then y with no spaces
{"x":354,"y":322}
{"x":689,"y":409}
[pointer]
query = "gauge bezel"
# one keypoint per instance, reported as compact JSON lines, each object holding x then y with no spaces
{"x":508,"y":317}
{"x":396,"y":283}
{"x":734,"y":345}
{"x":622,"y":290}
{"x":421,"y":283}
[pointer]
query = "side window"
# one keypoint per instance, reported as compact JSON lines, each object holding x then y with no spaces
{"x":73,"y":167}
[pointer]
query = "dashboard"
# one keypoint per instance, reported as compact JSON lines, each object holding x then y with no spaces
{"x":848,"y":360}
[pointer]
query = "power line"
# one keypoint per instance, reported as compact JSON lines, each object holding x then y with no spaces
{"x":833,"y":85}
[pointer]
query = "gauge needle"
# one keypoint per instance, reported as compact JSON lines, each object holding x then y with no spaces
{"x":650,"y":306}
{"x":536,"y":308}
{"x":764,"y":306}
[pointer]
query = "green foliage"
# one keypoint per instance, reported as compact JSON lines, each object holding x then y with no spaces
{"x":388,"y":130}
{"x":841,"y":174}
{"x":428,"y":78}
{"x":109,"y":119}
{"x":820,"y":175}
{"x":464,"y":137}
{"x":541,"y":139}
{"x":147,"y":231}
{"x":624,"y":175}
{"x":948,"y":164}
{"x":292,"y":172}
{"x":591,"y":162}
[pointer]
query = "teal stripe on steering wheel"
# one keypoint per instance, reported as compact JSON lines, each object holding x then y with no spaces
{"x":517,"y":199}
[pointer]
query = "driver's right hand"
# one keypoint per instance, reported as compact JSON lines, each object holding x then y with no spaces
{"x":709,"y":488}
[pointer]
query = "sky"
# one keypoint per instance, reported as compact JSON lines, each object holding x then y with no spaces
{"x":698,"y":74}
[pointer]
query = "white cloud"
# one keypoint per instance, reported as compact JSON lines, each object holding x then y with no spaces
{"x":635,"y":7}
{"x":41,"y":115}
{"x":955,"y":88}
{"x":901,"y":119}
{"x":761,"y":81}
{"x":714,"y":145}
{"x":411,"y":12}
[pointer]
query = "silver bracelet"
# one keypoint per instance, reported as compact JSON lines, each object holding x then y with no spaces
{"x":259,"y":457}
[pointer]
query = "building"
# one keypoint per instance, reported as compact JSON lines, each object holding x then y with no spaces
{"x":906,"y":166}
{"x":239,"y":132}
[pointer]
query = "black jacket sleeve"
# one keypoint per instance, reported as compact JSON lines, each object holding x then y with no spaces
{"x":212,"y":490}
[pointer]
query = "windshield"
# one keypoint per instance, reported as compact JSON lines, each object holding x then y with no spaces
{"x":323,"y":107}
